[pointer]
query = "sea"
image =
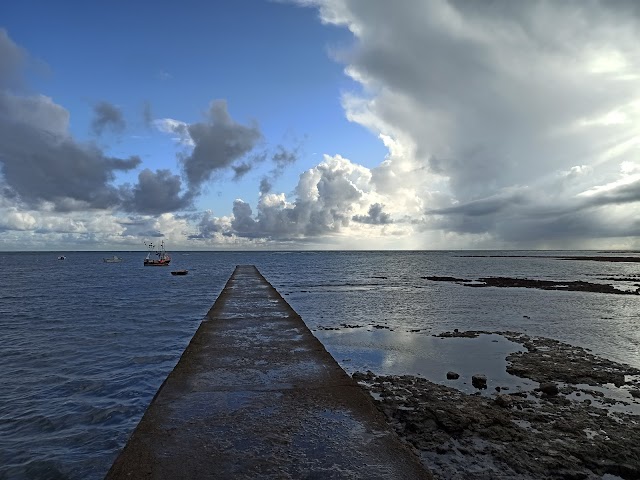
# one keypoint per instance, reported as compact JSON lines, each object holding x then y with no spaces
{"x":85,"y":345}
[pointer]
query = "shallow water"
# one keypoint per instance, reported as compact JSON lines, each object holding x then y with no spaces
{"x":86,"y":344}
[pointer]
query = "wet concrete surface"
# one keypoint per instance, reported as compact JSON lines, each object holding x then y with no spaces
{"x":256,"y":395}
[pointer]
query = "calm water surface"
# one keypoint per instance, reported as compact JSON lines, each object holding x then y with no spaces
{"x":85,"y":344}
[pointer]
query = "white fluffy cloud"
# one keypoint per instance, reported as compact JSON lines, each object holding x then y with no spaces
{"x":335,"y":200}
{"x":492,"y":103}
{"x":507,"y":124}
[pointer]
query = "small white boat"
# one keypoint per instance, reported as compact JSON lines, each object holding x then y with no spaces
{"x":114,"y":259}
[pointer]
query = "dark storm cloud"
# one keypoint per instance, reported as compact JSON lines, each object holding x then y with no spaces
{"x":375,"y":216}
{"x":576,"y":226}
{"x":155,"y":193}
{"x":218,"y":143}
{"x":531,"y":218}
{"x":107,"y":117}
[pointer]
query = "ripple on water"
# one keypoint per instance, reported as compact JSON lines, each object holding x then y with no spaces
{"x":85,"y":345}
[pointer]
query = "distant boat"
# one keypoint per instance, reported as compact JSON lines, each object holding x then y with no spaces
{"x":62,"y":257}
{"x":114,"y":259}
{"x":179,"y":272}
{"x":163,"y":258}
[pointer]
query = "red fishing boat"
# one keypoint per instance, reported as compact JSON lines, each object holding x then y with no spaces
{"x":163,"y":258}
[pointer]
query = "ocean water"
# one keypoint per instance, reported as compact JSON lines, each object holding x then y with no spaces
{"x":84,"y":345}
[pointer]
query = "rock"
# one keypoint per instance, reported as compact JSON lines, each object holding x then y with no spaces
{"x":504,"y":401}
{"x":556,"y":438}
{"x":360,"y":376}
{"x":452,"y":376}
{"x":549,"y":388}
{"x":635,"y":393}
{"x":445,"y":279}
{"x":479,"y":381}
{"x":441,"y":449}
{"x":572,"y":475}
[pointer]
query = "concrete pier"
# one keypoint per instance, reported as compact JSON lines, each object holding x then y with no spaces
{"x":256,"y":395}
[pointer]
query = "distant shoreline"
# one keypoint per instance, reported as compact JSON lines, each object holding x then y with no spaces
{"x":586,"y":258}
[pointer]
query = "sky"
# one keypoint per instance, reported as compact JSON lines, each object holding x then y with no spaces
{"x":320,"y":124}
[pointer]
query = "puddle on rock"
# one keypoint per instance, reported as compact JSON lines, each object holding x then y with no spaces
{"x":396,"y":353}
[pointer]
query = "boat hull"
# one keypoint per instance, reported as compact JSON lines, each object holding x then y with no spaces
{"x":156,"y":263}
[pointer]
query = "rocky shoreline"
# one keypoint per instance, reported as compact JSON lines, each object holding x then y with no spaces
{"x":505,"y":282}
{"x":579,"y":258}
{"x":570,"y":427}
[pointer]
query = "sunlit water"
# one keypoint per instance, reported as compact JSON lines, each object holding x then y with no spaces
{"x":86,"y":344}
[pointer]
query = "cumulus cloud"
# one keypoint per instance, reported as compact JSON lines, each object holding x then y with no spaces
{"x":241,"y":170}
{"x":218,"y":142}
{"x":209,"y":226}
{"x":282,"y":159}
{"x":44,"y":167}
{"x":13,"y":59}
{"x":375,"y":216}
{"x":484,"y":105}
{"x":175,"y":127}
{"x":329,"y":198}
{"x":40,"y":162}
{"x":265,"y":185}
{"x":107,"y":117}
{"x":155,"y":193}
{"x":12,"y":219}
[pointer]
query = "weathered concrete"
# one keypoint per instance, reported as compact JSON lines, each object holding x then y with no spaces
{"x":256,"y":395}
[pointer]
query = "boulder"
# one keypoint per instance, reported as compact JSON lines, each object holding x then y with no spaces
{"x":452,"y":376}
{"x":479,"y":381}
{"x":549,"y":388}
{"x":504,"y":401}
